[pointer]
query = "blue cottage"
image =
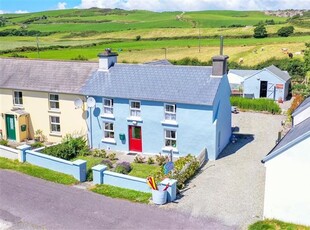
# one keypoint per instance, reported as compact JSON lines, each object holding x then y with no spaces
{"x":152,"y":108}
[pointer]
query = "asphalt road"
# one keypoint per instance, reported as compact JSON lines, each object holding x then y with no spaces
{"x":31,"y":203}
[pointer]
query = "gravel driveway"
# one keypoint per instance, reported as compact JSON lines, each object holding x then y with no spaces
{"x":231,"y":189}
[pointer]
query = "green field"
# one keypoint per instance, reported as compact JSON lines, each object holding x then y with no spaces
{"x":88,"y":32}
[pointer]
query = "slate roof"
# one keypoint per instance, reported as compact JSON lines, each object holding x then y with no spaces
{"x":159,"y":62}
{"x":294,"y":133}
{"x":281,"y":74}
{"x":243,"y":73}
{"x":45,"y":75}
{"x":168,"y":83}
{"x":304,"y":105}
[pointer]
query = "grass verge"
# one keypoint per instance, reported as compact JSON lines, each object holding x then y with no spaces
{"x":143,"y":170}
{"x":36,"y":171}
{"x":122,"y":193}
{"x":260,"y":104}
{"x":276,"y":224}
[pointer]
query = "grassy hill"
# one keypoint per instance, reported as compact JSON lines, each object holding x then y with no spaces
{"x":141,"y":35}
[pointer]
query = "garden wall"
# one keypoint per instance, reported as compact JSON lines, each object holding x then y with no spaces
{"x":103,"y":176}
{"x":8,"y":152}
{"x":76,"y":168}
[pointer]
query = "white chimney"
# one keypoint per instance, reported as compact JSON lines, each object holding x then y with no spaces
{"x":107,"y":59}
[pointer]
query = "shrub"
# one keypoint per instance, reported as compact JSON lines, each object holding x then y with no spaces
{"x":260,"y":104}
{"x":296,"y":102}
{"x":4,"y":142}
{"x":285,"y":31}
{"x":160,"y":159}
{"x":260,"y":31}
{"x":150,"y":161}
{"x":139,"y":159}
{"x":123,"y":167}
{"x":112,"y":156}
{"x":80,"y":58}
{"x":39,"y":136}
{"x":99,"y":153}
{"x":108,"y":163}
{"x":138,"y":38}
{"x":69,"y":148}
{"x":37,"y":145}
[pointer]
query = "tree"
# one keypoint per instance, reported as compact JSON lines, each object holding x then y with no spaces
{"x":260,"y":31}
{"x":2,"y":21}
{"x":285,"y":31}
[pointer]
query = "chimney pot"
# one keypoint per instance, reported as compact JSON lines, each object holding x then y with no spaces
{"x":107,"y":59}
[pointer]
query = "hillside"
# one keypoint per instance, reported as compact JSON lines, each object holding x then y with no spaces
{"x":141,"y":35}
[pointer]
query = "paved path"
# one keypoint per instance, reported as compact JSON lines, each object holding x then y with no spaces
{"x":231,"y":189}
{"x":31,"y":203}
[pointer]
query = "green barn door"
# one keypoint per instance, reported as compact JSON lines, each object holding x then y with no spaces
{"x":10,"y":127}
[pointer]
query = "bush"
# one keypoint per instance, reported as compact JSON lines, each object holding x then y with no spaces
{"x":150,"y":161}
{"x":139,"y":159}
{"x":112,"y":156}
{"x":69,"y":148}
{"x":4,"y":142}
{"x":80,"y":58}
{"x":184,"y":169}
{"x":107,"y":163}
{"x":138,"y":38}
{"x":260,"y":104}
{"x":260,"y":31}
{"x":296,"y":102}
{"x":285,"y":31}
{"x":99,"y":153}
{"x":37,"y":145}
{"x":160,"y":159}
{"x":123,"y":168}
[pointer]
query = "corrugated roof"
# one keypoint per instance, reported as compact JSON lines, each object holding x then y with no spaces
{"x":159,"y":62}
{"x":243,"y":72}
{"x":169,"y":83}
{"x":304,"y":105}
{"x":294,"y":133}
{"x":281,"y":74}
{"x":45,"y":75}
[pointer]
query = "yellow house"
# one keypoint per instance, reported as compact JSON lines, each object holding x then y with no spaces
{"x":40,"y":95}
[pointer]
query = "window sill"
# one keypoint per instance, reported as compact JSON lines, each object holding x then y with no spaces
{"x":18,"y":107}
{"x":54,"y":111}
{"x":168,"y":149}
{"x":109,"y":140}
{"x":107,"y":115}
{"x":170,"y":122}
{"x":134,"y":119}
{"x":55,"y":134}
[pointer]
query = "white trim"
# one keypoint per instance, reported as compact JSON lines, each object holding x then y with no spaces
{"x":15,"y":104}
{"x":106,"y":107}
{"x":172,"y":139}
{"x":55,"y":134}
{"x":170,"y":114}
{"x":54,"y":111}
{"x":134,"y":109}
{"x":168,"y":149}
{"x":54,"y":123}
{"x":107,"y":115}
{"x":134,"y":119}
{"x":55,"y":101}
{"x":109,"y":140}
{"x":109,"y":131}
{"x":170,"y":122}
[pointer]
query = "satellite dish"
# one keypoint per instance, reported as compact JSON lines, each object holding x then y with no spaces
{"x":91,"y":102}
{"x":78,"y":103}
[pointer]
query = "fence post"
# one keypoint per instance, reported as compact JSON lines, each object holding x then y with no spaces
{"x":98,"y":173}
{"x":22,"y":152}
{"x":172,"y":189}
{"x":81,"y":164}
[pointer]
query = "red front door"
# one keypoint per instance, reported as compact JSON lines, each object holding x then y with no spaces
{"x":135,"y":139}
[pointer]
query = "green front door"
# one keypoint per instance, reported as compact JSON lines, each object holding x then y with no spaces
{"x":10,"y":127}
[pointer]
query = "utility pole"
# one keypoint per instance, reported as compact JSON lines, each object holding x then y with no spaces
{"x":199,"y":40}
{"x":38,"y":50}
{"x":165,"y":52}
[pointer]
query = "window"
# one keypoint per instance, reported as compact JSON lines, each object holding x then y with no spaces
{"x":109,"y":130}
{"x":108,"y":106}
{"x":135,"y":108}
{"x":170,"y":112}
{"x":18,"y":98}
{"x":170,"y":138}
{"x":54,"y":101}
{"x":55,"y":124}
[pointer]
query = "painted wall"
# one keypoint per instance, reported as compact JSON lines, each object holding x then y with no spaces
{"x":287,"y":186}
{"x":300,"y":117}
{"x":37,"y":105}
{"x":8,"y":152}
{"x":252,"y":85}
{"x":195,"y":127}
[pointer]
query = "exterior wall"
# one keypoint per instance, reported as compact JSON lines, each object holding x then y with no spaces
{"x":300,"y":117}
{"x":8,"y":152}
{"x":252,"y":85}
{"x":37,"y":105}
{"x":222,"y":116}
{"x":195,"y":128}
{"x":287,"y":185}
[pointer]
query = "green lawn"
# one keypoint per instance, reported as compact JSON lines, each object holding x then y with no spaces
{"x":143,"y":170}
{"x":36,"y":171}
{"x":276,"y":225}
{"x":122,"y":193}
{"x":91,"y":162}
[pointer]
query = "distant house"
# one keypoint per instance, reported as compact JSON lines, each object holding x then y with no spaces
{"x":287,"y":186}
{"x":39,"y":95}
{"x":302,"y":112}
{"x":157,"y":107}
{"x":270,"y":82}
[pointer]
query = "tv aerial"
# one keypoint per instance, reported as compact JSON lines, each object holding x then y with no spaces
{"x":91,"y":102}
{"x":78,"y":103}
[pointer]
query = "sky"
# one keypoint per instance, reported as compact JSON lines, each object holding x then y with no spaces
{"x":25,"y":6}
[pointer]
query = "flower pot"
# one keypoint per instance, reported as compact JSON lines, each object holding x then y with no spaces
{"x":159,"y":197}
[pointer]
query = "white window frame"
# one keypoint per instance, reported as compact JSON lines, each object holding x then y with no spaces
{"x":170,"y":116}
{"x":107,"y":109}
{"x":53,"y":101}
{"x":170,"y":138}
{"x":55,"y":123}
{"x":18,"y":100}
{"x":109,"y":131}
{"x":135,"y":112}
